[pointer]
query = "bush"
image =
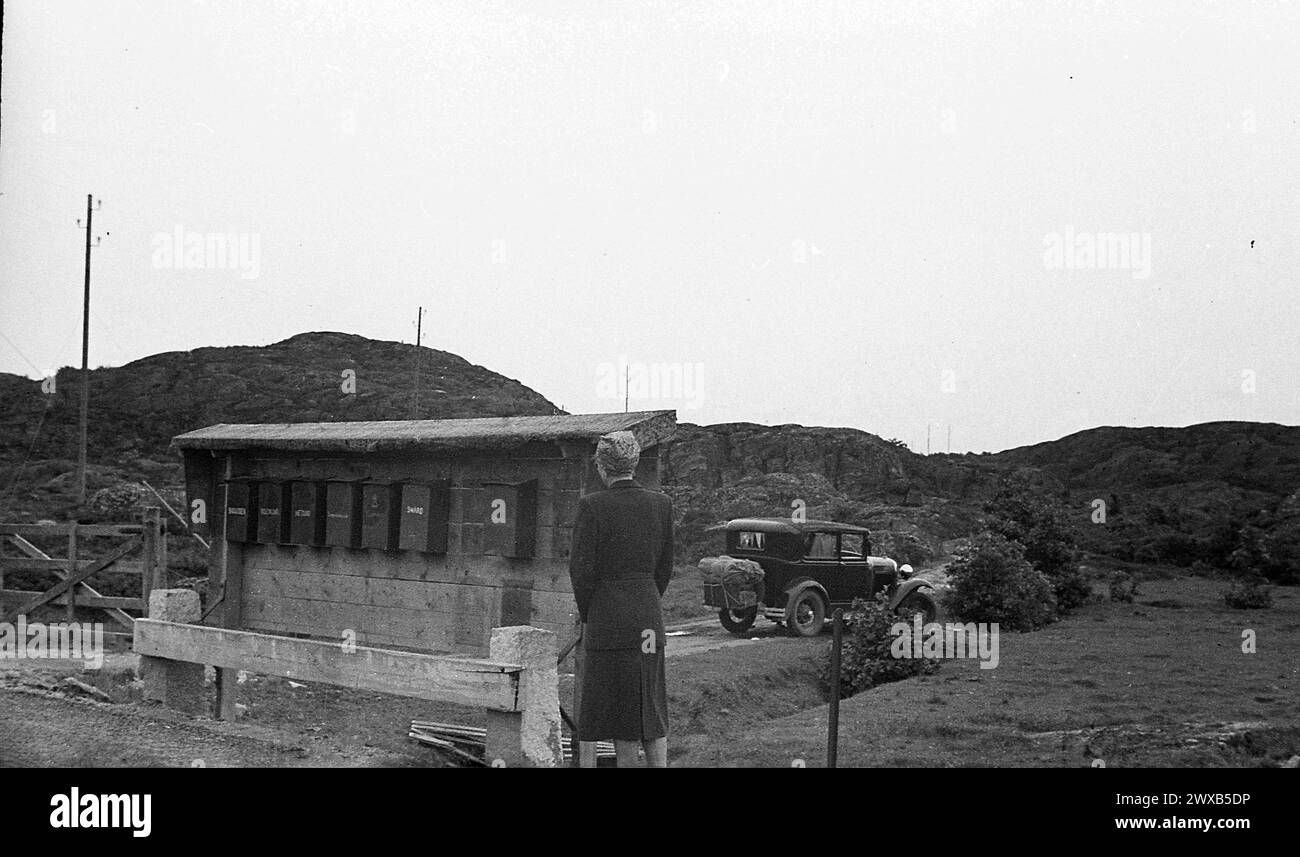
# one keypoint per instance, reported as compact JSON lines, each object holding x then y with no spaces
{"x":1123,"y":587}
{"x":866,"y":659}
{"x":993,"y":582}
{"x":1275,"y":552}
{"x":121,"y":502}
{"x":1070,"y":588}
{"x":1021,"y":513}
{"x":1264,"y":544}
{"x":1248,"y":594}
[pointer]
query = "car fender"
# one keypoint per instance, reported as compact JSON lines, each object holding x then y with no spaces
{"x":906,"y":588}
{"x":797,"y":586}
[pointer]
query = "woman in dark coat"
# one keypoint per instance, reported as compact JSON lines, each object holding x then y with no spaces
{"x":621,"y":563}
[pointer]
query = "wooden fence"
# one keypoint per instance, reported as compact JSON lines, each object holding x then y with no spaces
{"x":146,"y":540}
{"x":518,"y":684}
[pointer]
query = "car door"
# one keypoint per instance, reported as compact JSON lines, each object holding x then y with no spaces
{"x":821,"y":562}
{"x":855,"y":570}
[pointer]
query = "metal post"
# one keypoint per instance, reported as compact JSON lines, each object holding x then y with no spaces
{"x":833,"y":727}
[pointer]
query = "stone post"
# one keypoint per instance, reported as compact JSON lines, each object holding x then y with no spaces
{"x":176,"y":684}
{"x":529,"y":736}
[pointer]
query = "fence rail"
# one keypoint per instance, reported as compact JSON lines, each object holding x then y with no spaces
{"x":18,"y":563}
{"x":73,"y":590}
{"x":67,"y":529}
{"x":517,"y":685}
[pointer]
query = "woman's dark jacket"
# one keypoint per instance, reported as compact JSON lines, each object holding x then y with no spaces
{"x":621,"y":563}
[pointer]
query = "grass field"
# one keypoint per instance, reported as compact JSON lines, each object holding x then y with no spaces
{"x":1161,"y":682}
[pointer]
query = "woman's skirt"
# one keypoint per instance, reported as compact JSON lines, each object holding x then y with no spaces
{"x":624,"y":696}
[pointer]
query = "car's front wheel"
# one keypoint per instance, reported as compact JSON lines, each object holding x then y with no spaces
{"x":807,"y":614}
{"x":918,"y":604}
{"x":738,"y":621}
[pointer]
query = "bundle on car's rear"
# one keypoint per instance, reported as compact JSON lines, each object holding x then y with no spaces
{"x":730,"y":582}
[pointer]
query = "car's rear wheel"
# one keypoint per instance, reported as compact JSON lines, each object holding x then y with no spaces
{"x":919,"y":604}
{"x":738,"y":621}
{"x":807,"y":614}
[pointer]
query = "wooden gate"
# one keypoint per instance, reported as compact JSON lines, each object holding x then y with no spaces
{"x":73,"y":588}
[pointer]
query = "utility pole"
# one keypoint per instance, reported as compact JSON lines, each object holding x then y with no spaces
{"x":627,"y":386}
{"x":950,"y":438}
{"x":415,"y":404}
{"x":85,"y":357}
{"x":927,"y":438}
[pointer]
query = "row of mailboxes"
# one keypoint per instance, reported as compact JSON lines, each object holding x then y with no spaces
{"x":390,"y":516}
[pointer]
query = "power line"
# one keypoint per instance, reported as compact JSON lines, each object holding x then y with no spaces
{"x":21,"y":354}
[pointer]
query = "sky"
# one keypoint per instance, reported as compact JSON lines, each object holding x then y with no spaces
{"x":1004,"y":222}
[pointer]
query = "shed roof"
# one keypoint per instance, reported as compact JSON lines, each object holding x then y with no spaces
{"x":650,"y":428}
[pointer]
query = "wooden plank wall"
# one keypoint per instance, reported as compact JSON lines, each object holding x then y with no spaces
{"x":427,"y":602}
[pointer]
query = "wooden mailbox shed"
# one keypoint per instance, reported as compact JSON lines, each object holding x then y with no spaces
{"x":409,"y":534}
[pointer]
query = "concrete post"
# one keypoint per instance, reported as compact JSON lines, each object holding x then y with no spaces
{"x":176,"y":684}
{"x":530,"y":735}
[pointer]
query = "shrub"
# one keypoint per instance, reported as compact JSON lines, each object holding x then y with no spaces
{"x":866,"y":659}
{"x":1070,"y":588}
{"x":1282,"y":553}
{"x":119,"y":502}
{"x":1021,"y":513}
{"x":1248,"y":594}
{"x":1266,"y":544}
{"x":1123,"y":587}
{"x":993,"y":582}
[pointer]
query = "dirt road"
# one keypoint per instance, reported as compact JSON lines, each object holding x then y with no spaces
{"x":706,"y":635}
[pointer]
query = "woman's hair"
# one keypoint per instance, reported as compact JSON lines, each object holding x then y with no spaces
{"x":618,"y":453}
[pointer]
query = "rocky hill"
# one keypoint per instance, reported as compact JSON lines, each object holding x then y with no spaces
{"x":914,"y":503}
{"x":136,"y":409}
{"x":1263,"y":457}
{"x":1169,"y":492}
{"x":1166,"y":488}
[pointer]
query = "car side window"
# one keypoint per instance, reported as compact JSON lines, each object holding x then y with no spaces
{"x":822,"y":546}
{"x":851,"y":546}
{"x":750,"y":541}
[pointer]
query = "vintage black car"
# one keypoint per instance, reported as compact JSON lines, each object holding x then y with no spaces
{"x":810,"y":568}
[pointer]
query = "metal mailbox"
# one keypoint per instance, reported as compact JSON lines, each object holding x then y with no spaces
{"x":510,"y":518}
{"x":424,"y":516}
{"x":343,"y":514}
{"x":379,"y":515}
{"x":241,"y":511}
{"x":307,"y":508}
{"x":271,"y":521}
